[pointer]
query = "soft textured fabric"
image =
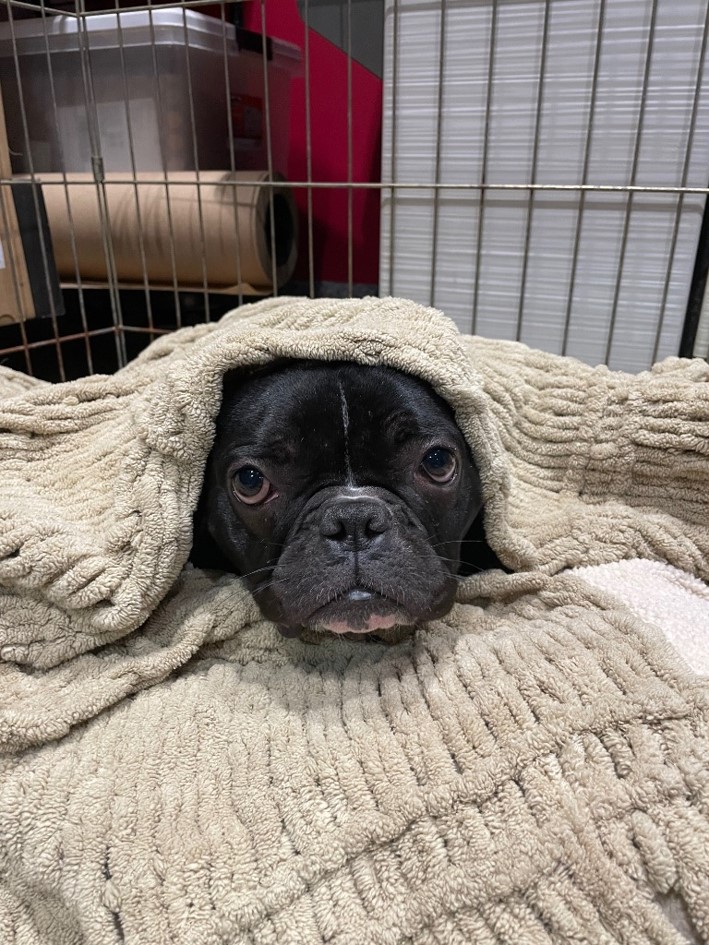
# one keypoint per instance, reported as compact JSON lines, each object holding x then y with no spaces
{"x":532,"y":769}
{"x":675,"y":602}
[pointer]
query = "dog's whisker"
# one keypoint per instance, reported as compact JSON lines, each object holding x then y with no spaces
{"x":266,"y":567}
{"x":267,"y":586}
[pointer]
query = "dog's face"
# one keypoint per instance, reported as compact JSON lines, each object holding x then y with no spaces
{"x":341,"y":493}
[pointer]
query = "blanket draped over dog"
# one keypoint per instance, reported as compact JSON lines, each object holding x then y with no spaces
{"x":532,"y":769}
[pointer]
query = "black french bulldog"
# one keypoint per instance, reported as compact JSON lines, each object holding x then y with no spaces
{"x":344,"y":495}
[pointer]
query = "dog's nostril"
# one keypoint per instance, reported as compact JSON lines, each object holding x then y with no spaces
{"x":375,"y":526}
{"x":354,"y":521}
{"x":332,"y":527}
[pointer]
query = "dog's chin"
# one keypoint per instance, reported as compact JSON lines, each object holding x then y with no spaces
{"x":359,"y":611}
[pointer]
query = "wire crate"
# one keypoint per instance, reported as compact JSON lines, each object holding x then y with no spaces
{"x":497,"y":117}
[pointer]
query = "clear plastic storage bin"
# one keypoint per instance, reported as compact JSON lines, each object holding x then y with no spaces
{"x":154,"y":87}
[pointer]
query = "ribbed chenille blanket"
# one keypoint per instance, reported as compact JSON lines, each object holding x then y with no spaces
{"x":532,"y":769}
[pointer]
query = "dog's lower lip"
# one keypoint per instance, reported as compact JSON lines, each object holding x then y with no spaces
{"x":358,"y":593}
{"x":359,"y":611}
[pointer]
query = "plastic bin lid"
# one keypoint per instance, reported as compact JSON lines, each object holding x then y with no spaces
{"x":162,"y":26}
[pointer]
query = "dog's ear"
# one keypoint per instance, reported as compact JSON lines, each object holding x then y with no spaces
{"x":476,"y":555}
{"x":205,"y":552}
{"x":235,"y":378}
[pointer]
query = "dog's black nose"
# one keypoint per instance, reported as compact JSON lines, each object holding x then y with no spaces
{"x":355,"y":520}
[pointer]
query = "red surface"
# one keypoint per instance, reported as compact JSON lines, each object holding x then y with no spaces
{"x":328,"y":122}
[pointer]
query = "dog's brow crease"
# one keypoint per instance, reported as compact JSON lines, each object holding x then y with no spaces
{"x":346,"y":428}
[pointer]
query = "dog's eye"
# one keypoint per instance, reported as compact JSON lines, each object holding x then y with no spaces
{"x":439,"y":464}
{"x":250,"y":485}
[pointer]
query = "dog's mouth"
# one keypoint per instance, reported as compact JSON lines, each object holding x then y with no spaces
{"x":359,"y":610}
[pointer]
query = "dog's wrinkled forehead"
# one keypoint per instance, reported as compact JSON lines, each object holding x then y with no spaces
{"x":354,"y":417}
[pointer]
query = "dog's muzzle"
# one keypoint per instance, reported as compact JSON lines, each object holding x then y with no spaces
{"x":358,"y":560}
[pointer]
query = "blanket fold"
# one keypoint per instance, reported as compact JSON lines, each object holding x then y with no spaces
{"x":534,"y":768}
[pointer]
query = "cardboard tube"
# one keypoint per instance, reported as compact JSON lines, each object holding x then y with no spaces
{"x":232,"y":237}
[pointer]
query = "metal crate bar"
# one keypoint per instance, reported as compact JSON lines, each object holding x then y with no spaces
{"x":633,"y":176}
{"x":535,"y":159}
{"x":232,"y":155}
{"x":407,"y":185}
{"x":483,"y":170}
{"x":586,"y":164}
{"x":685,"y":174}
{"x":134,"y":168}
{"x":439,"y":136}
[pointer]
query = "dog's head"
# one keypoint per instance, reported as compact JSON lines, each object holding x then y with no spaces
{"x":342,"y":494}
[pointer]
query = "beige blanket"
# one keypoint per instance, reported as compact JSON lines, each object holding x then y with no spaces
{"x":532,"y":769}
{"x":672,"y":600}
